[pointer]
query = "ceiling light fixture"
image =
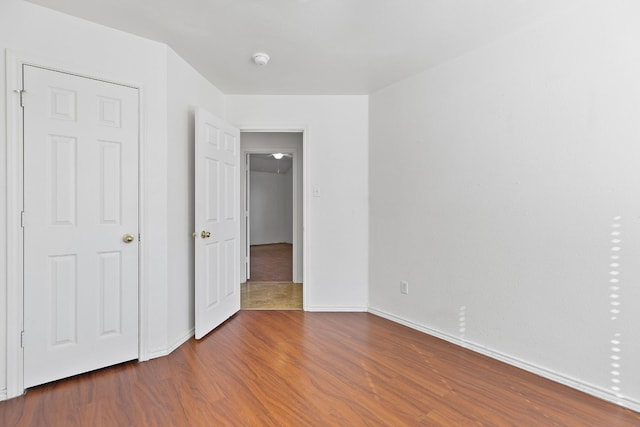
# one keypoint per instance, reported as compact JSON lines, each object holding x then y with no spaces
{"x":278,"y":156}
{"x":260,"y":58}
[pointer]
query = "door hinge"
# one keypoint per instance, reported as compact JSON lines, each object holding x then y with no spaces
{"x":22,"y":339}
{"x":22,"y":219}
{"x":21,"y":93}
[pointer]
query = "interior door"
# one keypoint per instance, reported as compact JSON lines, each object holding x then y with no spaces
{"x":80,"y":224}
{"x":247,"y":215}
{"x":217,"y":221}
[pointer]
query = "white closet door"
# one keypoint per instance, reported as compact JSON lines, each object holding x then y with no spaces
{"x":80,"y":225}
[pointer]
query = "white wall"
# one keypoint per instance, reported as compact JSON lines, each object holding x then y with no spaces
{"x":497,"y":183}
{"x":271,"y":207}
{"x":72,"y":44}
{"x":186,"y":90}
{"x":86,"y":48}
{"x":336,"y":163}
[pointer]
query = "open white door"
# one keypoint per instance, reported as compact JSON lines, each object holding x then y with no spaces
{"x":217,"y":222}
{"x":247,"y":215}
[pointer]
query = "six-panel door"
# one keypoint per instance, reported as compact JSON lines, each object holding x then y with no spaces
{"x":81,"y":207}
{"x":217,"y":219}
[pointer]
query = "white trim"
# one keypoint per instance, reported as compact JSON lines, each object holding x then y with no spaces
{"x":156,"y":354}
{"x":306,"y":212}
{"x":178,"y":343}
{"x":182,"y":340}
{"x":295,"y":223}
{"x":143,"y":216}
{"x":337,"y":309}
{"x":14,"y":163}
{"x":245,"y":231}
{"x":14,"y":301}
{"x":513,"y":361}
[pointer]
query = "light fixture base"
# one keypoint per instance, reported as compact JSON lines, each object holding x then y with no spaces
{"x":261,"y":58}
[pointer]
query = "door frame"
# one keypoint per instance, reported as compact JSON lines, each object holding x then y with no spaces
{"x":15,"y":197}
{"x":295,"y":222}
{"x":288,"y":128}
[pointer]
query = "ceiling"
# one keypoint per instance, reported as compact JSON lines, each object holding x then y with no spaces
{"x":316,"y":46}
{"x":267,"y":163}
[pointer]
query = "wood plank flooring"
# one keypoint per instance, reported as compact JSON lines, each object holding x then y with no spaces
{"x":270,"y":286}
{"x":272,"y":263}
{"x":293,"y":368}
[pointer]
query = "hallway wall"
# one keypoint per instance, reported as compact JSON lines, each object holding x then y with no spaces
{"x":186,"y":91}
{"x":271,"y":208}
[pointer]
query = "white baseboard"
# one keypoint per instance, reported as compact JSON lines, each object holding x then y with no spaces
{"x":182,"y":340}
{"x":178,"y":343}
{"x":337,"y":309}
{"x":155,"y":355}
{"x":543,"y":372}
{"x":3,"y":395}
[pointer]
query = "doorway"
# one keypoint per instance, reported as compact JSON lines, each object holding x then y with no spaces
{"x":272,"y":230}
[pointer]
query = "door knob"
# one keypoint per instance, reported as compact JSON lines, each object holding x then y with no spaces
{"x":205,"y":234}
{"x":128,"y":238}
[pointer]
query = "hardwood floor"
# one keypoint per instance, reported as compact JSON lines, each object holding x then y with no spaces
{"x":272,"y":263}
{"x":271,"y":285}
{"x":292,"y":368}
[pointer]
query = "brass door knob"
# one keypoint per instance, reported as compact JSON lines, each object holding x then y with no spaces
{"x":205,"y":234}
{"x":128,"y":238}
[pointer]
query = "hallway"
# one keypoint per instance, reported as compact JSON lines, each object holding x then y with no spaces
{"x":270,"y":286}
{"x":272,"y":263}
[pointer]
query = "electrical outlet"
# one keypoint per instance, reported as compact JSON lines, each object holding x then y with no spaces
{"x":404,"y":287}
